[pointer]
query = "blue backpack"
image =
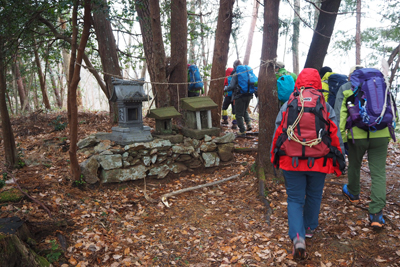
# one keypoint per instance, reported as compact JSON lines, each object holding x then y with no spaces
{"x":285,"y":87}
{"x":246,"y":79}
{"x":196,"y":82}
{"x":372,"y":106}
{"x":334,"y":83}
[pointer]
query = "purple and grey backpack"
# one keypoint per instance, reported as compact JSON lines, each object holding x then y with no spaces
{"x":372,"y":106}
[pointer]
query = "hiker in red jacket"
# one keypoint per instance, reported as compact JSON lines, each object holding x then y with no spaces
{"x":306,"y":145}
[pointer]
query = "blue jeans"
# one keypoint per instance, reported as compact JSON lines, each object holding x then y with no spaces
{"x":304,"y":195}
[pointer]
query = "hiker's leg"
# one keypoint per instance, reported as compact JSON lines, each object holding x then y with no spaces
{"x":246,"y":114}
{"x":295,"y":183}
{"x":225,"y":106}
{"x":377,"y":153}
{"x":315,"y":186}
{"x":240,"y":111}
{"x":356,"y":153}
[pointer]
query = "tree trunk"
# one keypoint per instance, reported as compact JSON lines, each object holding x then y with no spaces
{"x":107,"y":51}
{"x":10,"y":150}
{"x":192,"y":28}
{"x":21,"y":87}
{"x":358,"y":33}
{"x":251,"y":32}
{"x":220,"y":57}
{"x":178,"y":65}
{"x":203,"y":51}
{"x":41,"y":78}
{"x":75,"y":70}
{"x":150,"y":26}
{"x":267,"y":90}
{"x":296,"y":34}
{"x":322,"y":34}
{"x":55,"y":89}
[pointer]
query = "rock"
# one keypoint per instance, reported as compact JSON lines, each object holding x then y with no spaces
{"x":11,"y":195}
{"x":159,"y":144}
{"x":89,"y":170}
{"x":207,"y":138}
{"x":191,"y":142}
{"x":88,"y":142}
{"x":146,"y":160}
{"x":225,"y":151}
{"x":103,"y":145}
{"x":122,"y":175}
{"x":13,"y":251}
{"x":178,"y":167}
{"x":184,"y":158}
{"x":227,"y":138}
{"x":160,"y":171}
{"x":211,"y":159}
{"x":193,"y":164}
{"x":208,"y":147}
{"x":173,"y":138}
{"x":109,"y":162}
{"x":182,"y":149}
{"x":106,"y":152}
{"x":154,"y":158}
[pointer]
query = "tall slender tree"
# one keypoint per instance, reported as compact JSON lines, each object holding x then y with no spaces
{"x":296,"y":34}
{"x":220,"y":57}
{"x":10,"y":150}
{"x":77,"y":53}
{"x":254,"y":17}
{"x":107,"y":50}
{"x":267,"y":90}
{"x":322,"y":34}
{"x":358,"y":33}
{"x":178,"y":63}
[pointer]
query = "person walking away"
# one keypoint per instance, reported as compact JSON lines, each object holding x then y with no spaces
{"x":368,"y":98}
{"x":324,"y":73}
{"x":228,"y":100}
{"x":285,"y":82}
{"x":242,"y":85}
{"x":344,"y":87}
{"x":195,"y":87}
{"x":303,"y":157}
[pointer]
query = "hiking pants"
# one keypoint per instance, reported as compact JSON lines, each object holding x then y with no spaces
{"x":377,"y":152}
{"x":228,"y":101}
{"x":304,"y":195}
{"x":241,"y":105}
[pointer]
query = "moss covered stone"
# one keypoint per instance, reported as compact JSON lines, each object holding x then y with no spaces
{"x":11,"y":195}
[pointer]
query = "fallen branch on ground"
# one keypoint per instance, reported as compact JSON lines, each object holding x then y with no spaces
{"x":165,"y":196}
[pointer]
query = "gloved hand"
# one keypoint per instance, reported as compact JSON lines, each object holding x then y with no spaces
{"x":226,"y":87}
{"x":256,"y":94}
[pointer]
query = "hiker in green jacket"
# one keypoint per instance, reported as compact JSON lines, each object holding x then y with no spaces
{"x":376,"y":144}
{"x":280,"y":71}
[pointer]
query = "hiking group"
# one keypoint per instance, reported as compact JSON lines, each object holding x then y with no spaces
{"x":323,"y":117}
{"x":327,"y":116}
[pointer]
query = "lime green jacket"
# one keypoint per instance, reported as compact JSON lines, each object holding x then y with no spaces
{"x":357,"y":132}
{"x":325,"y":85}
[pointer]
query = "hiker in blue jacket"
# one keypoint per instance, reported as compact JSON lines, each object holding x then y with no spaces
{"x":242,"y":101}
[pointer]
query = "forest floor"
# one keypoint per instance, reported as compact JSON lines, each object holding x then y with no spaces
{"x":223,"y":225}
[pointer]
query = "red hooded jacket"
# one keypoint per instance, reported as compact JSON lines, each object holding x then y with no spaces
{"x":308,"y":78}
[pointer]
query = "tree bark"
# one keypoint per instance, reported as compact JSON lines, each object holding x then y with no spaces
{"x":41,"y":78}
{"x":203,"y":51}
{"x":220,"y":57}
{"x":358,"y":33}
{"x":21,"y":87}
{"x":267,"y":90}
{"x":251,"y":32}
{"x":55,"y":89}
{"x":75,"y":69}
{"x":296,"y":34}
{"x":10,"y":151}
{"x":107,"y":51}
{"x":322,"y":34}
{"x":150,"y":26}
{"x":178,"y":64}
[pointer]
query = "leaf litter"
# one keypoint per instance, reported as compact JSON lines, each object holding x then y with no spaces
{"x":223,"y":225}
